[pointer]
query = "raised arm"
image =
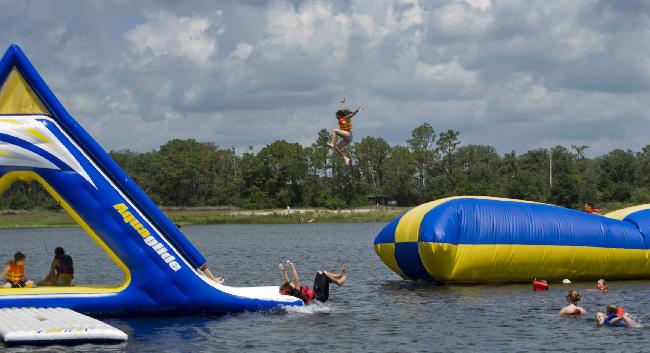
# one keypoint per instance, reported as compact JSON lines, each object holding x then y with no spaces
{"x":295,"y":279}
{"x":342,"y":103}
{"x":349,"y":116}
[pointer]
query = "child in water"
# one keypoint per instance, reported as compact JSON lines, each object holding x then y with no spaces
{"x":614,"y":316}
{"x":14,"y":273}
{"x":602,"y":285}
{"x":572,"y":298}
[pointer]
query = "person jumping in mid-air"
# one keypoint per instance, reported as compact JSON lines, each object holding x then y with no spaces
{"x":344,"y":131}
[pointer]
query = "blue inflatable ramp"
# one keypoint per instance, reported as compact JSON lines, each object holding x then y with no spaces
{"x":162,"y":270}
{"x":39,"y":326}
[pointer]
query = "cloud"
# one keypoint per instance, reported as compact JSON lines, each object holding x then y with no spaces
{"x":165,"y":34}
{"x":506,"y":73}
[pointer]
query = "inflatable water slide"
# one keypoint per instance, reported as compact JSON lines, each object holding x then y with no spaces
{"x":475,"y":239}
{"x":40,"y":141}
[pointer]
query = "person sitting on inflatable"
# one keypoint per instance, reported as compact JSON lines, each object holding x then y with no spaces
{"x":589,"y":208}
{"x":614,"y":316}
{"x":321,"y":291}
{"x":344,"y":118}
{"x":572,"y":298}
{"x":602,"y":285}
{"x":61,"y":270}
{"x":14,"y":273}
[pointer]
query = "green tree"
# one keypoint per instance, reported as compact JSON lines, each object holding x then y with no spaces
{"x":447,"y":144}
{"x":421,"y":145}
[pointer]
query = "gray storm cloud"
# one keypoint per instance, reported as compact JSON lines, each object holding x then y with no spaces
{"x":512,"y":74}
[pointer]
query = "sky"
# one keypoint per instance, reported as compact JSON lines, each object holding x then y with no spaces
{"x":512,"y":74}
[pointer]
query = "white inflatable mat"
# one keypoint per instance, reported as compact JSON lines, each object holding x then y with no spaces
{"x":54,"y":325}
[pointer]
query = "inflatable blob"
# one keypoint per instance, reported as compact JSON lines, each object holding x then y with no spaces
{"x":482,"y":239}
{"x":40,"y":141}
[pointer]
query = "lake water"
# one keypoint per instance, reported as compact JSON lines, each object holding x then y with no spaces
{"x":374,"y":312}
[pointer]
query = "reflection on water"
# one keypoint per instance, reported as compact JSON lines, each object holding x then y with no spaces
{"x":375,"y":311}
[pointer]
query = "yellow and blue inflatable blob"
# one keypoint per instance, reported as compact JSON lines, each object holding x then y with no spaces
{"x":482,"y":239}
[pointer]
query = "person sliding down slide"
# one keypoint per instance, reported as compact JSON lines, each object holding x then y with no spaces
{"x":344,"y":131}
{"x":321,"y":291}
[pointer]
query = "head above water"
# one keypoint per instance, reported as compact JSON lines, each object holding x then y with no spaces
{"x":19,"y":256}
{"x":59,"y":251}
{"x":588,"y":205}
{"x":612,"y":309}
{"x":573,"y":296}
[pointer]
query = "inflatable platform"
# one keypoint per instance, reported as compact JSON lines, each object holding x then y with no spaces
{"x":39,"y":326}
{"x":40,"y":141}
{"x":473,"y":239}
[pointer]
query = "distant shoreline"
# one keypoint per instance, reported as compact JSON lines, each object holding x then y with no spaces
{"x":204,"y":215}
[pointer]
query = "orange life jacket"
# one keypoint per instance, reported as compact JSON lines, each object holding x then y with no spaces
{"x":16,"y":272}
{"x":344,"y":124}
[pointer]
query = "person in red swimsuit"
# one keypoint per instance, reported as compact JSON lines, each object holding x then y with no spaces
{"x":322,"y":282}
{"x":589,"y":208}
{"x":344,"y":118}
{"x":572,"y":298}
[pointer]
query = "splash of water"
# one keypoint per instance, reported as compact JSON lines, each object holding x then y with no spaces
{"x":314,"y":308}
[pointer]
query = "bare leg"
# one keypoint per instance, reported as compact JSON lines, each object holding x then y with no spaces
{"x":338,"y":278}
{"x":295,"y":279}
{"x":332,"y":142}
{"x":344,"y":142}
{"x":283,"y":273}
{"x":209,"y":274}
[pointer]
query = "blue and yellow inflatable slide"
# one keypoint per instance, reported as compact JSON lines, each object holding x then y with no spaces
{"x":473,"y":239}
{"x":40,"y":141}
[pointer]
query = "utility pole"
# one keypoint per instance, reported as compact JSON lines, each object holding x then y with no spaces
{"x":550,"y":169}
{"x":234,"y":161}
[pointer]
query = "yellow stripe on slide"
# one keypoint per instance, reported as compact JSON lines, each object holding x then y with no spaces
{"x":34,"y":132}
{"x":482,"y":263}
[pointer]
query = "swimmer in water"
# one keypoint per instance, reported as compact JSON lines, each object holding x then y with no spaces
{"x":614,"y":316}
{"x":572,"y":298}
{"x":602,"y":285}
{"x":322,"y":282}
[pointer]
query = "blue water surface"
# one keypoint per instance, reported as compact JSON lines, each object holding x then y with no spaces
{"x":374,"y":312}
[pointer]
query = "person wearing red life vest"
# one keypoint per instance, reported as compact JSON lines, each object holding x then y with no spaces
{"x":589,"y":208}
{"x":14,"y":273}
{"x":344,"y":118}
{"x":320,"y":290}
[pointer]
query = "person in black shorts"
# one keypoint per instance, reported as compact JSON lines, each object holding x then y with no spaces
{"x":321,"y":290}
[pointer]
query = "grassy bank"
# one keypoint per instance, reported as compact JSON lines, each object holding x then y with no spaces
{"x":189,"y":216}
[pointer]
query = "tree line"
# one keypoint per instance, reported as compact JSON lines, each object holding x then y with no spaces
{"x":429,"y":166}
